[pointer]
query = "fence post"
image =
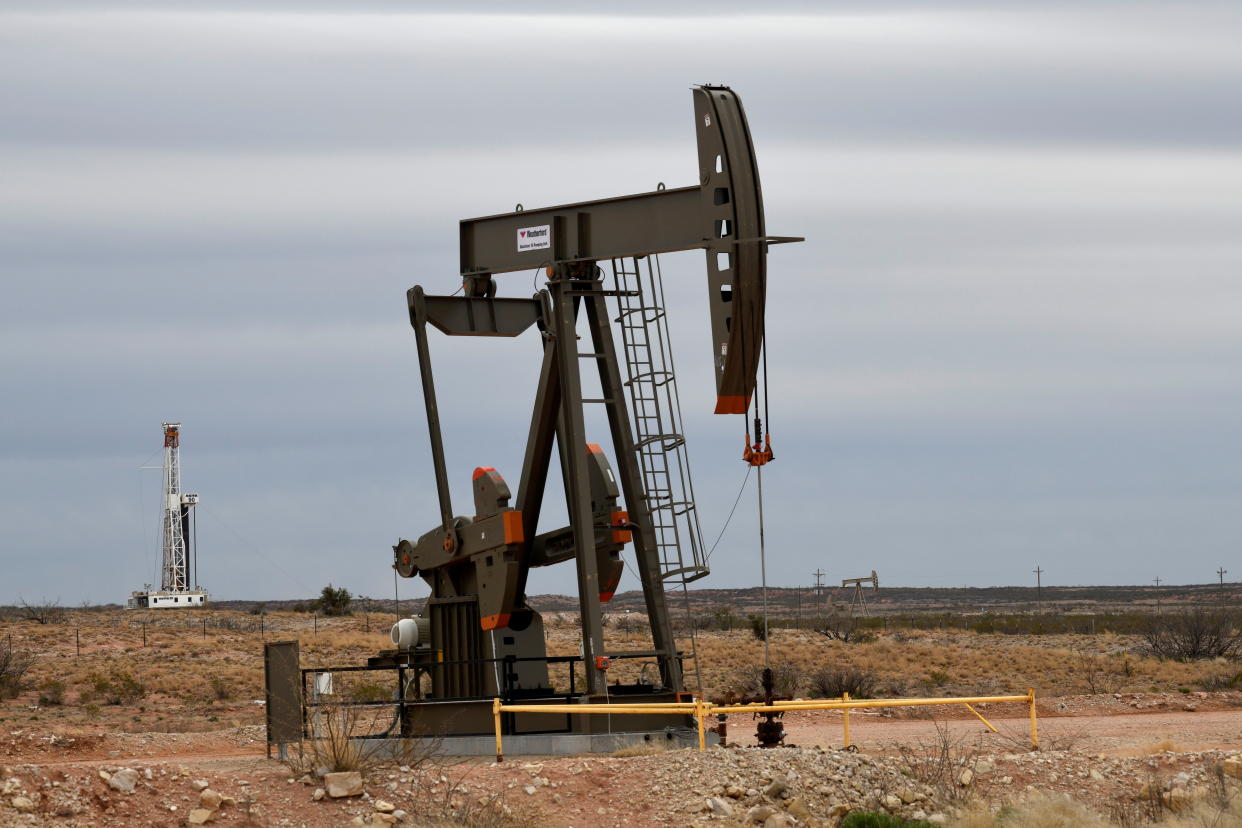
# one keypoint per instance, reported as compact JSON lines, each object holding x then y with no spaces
{"x":77,"y":643}
{"x":144,"y":633}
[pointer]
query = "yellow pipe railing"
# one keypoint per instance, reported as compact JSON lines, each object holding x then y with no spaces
{"x":700,"y":710}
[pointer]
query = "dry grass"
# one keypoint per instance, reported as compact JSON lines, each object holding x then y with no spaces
{"x":1038,"y":812}
{"x":208,"y":665}
{"x":641,"y":749}
{"x":927,"y":662}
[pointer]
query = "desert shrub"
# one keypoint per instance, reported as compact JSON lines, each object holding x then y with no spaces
{"x":1195,"y":634}
{"x":940,"y":762}
{"x":52,"y":692}
{"x":786,"y":682}
{"x":221,"y":688}
{"x":14,"y":665}
{"x":43,"y":612}
{"x":845,"y":628}
{"x":118,"y":687}
{"x":833,"y":682}
{"x":334,"y":601}
{"x":1222,"y":681}
{"x":758,"y":627}
{"x":338,"y":742}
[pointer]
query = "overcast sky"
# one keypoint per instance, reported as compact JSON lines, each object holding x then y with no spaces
{"x":1012,"y":338}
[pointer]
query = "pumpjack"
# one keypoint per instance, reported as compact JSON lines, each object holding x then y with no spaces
{"x":477,"y":637}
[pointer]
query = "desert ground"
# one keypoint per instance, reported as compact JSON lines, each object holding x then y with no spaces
{"x":137,"y":718}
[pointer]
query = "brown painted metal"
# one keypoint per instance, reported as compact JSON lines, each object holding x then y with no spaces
{"x":282,"y":681}
{"x":477,"y":566}
{"x":722,"y":215}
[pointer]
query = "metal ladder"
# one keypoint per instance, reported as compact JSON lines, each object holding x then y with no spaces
{"x":656,"y":411}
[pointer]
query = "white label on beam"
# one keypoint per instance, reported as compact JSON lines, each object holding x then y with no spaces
{"x":534,"y":238}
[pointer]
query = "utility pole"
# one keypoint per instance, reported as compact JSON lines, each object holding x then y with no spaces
{"x":1157,"y":579}
{"x":819,"y":590}
{"x":1039,"y":590}
{"x":1222,"y":572}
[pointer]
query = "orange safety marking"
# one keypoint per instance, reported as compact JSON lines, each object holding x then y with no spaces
{"x":513,"y":526}
{"x":620,"y":535}
{"x":480,"y":471}
{"x":593,"y":448}
{"x":732,"y":404}
{"x":494,"y":622}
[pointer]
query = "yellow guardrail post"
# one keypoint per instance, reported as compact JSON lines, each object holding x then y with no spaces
{"x":845,"y":697}
{"x":1030,"y":692}
{"x":700,"y":713}
{"x":500,"y":753}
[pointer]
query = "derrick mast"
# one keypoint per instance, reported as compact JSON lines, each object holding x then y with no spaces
{"x":174,"y":575}
{"x":178,"y":571}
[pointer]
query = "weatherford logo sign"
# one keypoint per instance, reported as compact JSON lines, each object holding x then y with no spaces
{"x":534,"y":238}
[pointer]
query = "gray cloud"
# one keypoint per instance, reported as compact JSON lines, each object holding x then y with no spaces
{"x":1012,"y":334}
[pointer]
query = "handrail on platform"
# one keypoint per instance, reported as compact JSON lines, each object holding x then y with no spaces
{"x":700,"y":710}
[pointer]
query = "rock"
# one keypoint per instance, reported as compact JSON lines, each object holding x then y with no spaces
{"x":966,"y":777}
{"x":200,"y":784}
{"x":1096,"y":775}
{"x":1232,"y":767}
{"x":209,"y":799}
{"x":937,"y":819}
{"x":907,"y":796}
{"x":200,"y":816}
{"x":147,"y":775}
{"x":384,"y":807}
{"x":760,"y":813}
{"x":719,"y":807}
{"x":319,"y":794}
{"x":984,"y":766}
{"x":378,"y":818}
{"x":23,"y":804}
{"x":345,"y":783}
{"x":530,"y":790}
{"x":400,"y":815}
{"x":735,"y":792}
{"x":103,"y":774}
{"x":798,"y":810}
{"x":123,"y":780}
{"x":778,"y":786}
{"x":778,"y":820}
{"x":891,"y":802}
